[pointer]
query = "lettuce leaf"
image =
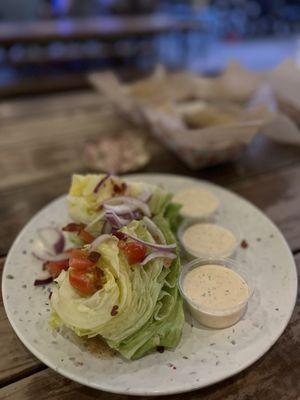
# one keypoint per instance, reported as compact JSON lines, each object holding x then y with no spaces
{"x":150,"y":311}
{"x":164,"y":328}
{"x":159,"y":201}
{"x":173,"y":216}
{"x":83,"y":202}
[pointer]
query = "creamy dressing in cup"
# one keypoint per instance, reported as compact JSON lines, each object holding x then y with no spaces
{"x":217,"y":291}
{"x":197,"y":203}
{"x":206,"y":240}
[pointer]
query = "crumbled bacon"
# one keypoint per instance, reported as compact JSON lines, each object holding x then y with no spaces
{"x":73,"y":227}
{"x":114,"y":310}
{"x":120,"y":235}
{"x":160,"y":349}
{"x":41,"y":282}
{"x":244,"y":244}
{"x":94,"y":256}
{"x":120,"y":189}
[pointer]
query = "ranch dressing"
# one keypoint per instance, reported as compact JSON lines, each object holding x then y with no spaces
{"x":204,"y":239}
{"x":218,"y":295}
{"x":197,"y":202}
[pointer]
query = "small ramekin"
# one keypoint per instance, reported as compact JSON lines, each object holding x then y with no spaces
{"x":217,"y":318}
{"x":191,"y":255}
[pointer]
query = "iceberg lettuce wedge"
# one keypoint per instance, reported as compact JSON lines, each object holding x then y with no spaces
{"x":149,"y":307}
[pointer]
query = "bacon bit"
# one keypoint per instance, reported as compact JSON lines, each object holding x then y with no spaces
{"x":118,"y":234}
{"x":120,"y":189}
{"x":45,"y":265}
{"x":167,"y":262}
{"x":94,"y":256}
{"x":72,"y":227}
{"x":101,"y":183}
{"x":40,"y":282}
{"x":160,"y":349}
{"x":244,"y":244}
{"x":114,"y":310}
{"x":98,"y":274}
{"x":80,"y":229}
{"x":86,"y":236}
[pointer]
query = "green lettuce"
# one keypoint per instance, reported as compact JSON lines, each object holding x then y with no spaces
{"x":83,"y":202}
{"x":165,"y":325}
{"x":173,"y":216}
{"x":150,"y":311}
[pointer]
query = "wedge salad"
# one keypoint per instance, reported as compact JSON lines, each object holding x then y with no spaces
{"x":116,"y":265}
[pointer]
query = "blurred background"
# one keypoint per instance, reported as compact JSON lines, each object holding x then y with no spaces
{"x":49,"y":45}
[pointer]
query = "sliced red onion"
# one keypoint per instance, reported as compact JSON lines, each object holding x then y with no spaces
{"x":46,"y":257}
{"x":158,"y":254}
{"x":145,"y":195}
{"x":119,"y":209}
{"x":154,"y":230}
{"x":101,"y":183}
{"x":124,"y":211}
{"x":100,"y":217}
{"x":162,"y":247}
{"x":60,"y":244}
{"x":41,"y":282}
{"x":133,"y":201}
{"x":116,"y":221}
{"x":107,"y":227}
{"x":100,"y":239}
{"x":53,"y":239}
{"x":137,"y":215}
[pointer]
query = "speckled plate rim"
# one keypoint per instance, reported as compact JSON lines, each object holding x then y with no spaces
{"x":168,"y":391}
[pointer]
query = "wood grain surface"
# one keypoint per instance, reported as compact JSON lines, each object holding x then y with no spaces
{"x":41,"y":145}
{"x":274,"y":376}
{"x":15,"y":360}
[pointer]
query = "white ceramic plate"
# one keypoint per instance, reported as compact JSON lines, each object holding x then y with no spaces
{"x":203,"y":356}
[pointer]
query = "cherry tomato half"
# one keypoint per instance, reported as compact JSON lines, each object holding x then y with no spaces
{"x":79,"y":260}
{"x":86,"y":237}
{"x":87,"y":282}
{"x":55,"y":267}
{"x":135,"y":252}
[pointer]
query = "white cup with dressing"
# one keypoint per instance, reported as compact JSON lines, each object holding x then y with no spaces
{"x":217,"y":290}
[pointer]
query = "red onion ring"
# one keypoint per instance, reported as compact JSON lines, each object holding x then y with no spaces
{"x":40,"y":282}
{"x":53,"y":239}
{"x":154,"y":230}
{"x":100,"y":239}
{"x":47,"y":257}
{"x":145,"y":195}
{"x":106,"y":227}
{"x":101,"y":183}
{"x":119,"y":209}
{"x":116,"y":221}
{"x":128,"y":200}
{"x":162,"y":247}
{"x":158,"y":254}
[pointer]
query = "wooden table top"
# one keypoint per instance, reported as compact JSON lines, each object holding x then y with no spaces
{"x":108,"y":27}
{"x":41,"y":142}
